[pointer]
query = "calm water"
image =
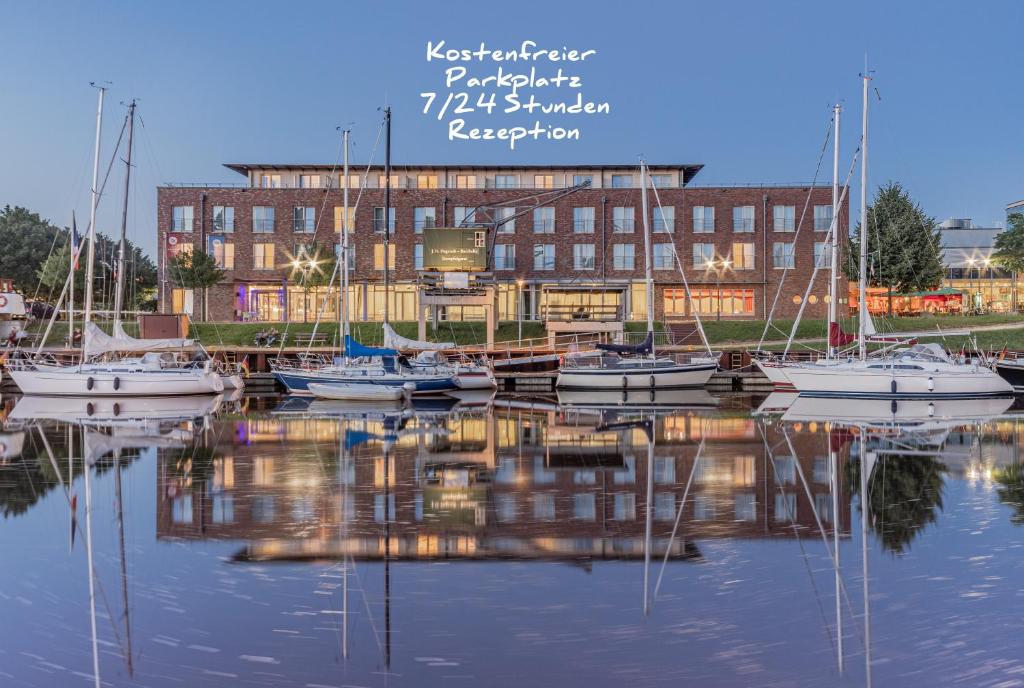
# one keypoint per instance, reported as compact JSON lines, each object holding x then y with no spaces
{"x":520,"y":544}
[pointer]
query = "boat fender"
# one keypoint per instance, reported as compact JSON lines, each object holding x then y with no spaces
{"x":652,"y":382}
{"x":931,"y":409}
{"x":931,"y":384}
{"x":892,"y":406}
{"x":652,"y":395}
{"x":117,"y":409}
{"x":89,"y":409}
{"x":892,"y":386}
{"x":625,"y":382}
{"x":89,"y":383}
{"x":117,"y":383}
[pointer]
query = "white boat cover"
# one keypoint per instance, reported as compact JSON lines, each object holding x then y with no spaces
{"x":11,"y":304}
{"x":95,"y":341}
{"x":393,"y":340}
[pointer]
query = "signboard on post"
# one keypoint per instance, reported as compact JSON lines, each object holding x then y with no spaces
{"x":462,"y":249}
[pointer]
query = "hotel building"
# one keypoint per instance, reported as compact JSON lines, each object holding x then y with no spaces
{"x":583,"y":250}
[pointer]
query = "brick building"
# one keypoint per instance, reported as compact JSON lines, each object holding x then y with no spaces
{"x":585,"y":249}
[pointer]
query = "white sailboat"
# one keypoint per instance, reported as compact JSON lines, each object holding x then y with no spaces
{"x":625,"y":366}
{"x":101,"y":372}
{"x":469,"y":374}
{"x":920,"y":371}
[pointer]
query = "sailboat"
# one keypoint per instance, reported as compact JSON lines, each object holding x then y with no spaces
{"x":469,"y":374}
{"x":918,"y":371}
{"x":100,"y":372}
{"x":632,"y":366}
{"x":362,"y":371}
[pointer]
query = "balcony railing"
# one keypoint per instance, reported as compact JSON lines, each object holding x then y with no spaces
{"x":580,"y":312}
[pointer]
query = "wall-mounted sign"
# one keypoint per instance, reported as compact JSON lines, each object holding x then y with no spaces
{"x":454,"y":249}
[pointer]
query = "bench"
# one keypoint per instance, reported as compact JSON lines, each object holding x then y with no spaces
{"x":304,"y":339}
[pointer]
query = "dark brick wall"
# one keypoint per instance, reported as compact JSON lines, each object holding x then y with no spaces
{"x":602,"y":200}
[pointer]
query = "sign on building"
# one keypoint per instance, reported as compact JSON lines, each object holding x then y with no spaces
{"x":454,"y":249}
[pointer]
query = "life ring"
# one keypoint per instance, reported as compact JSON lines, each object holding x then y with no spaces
{"x":3,"y":300}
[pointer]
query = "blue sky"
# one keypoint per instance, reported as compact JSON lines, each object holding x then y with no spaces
{"x":743,"y":87}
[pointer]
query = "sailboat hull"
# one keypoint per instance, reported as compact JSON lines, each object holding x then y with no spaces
{"x":297,"y":382}
{"x":87,"y":381}
{"x":776,"y":374}
{"x":639,"y":377}
{"x":871,"y":381}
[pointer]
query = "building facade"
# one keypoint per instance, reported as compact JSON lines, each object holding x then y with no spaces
{"x":585,"y":249}
{"x":967,"y":250}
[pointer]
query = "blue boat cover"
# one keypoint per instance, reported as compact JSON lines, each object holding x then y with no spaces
{"x":355,"y":349}
{"x":644,"y":347}
{"x":353,"y":438}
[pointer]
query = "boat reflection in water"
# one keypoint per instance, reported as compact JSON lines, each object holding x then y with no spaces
{"x":643,"y":503}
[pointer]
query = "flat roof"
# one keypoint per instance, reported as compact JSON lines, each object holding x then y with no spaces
{"x":689,"y":170}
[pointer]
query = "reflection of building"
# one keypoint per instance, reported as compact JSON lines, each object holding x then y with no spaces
{"x":584,"y":250}
{"x":521,"y":484}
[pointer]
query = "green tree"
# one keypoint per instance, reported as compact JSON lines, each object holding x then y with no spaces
{"x":195,"y":270}
{"x":904,"y":244}
{"x":1009,"y":245}
{"x":26,"y":239}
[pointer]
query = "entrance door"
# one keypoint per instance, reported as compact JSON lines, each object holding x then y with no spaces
{"x":268,"y":306}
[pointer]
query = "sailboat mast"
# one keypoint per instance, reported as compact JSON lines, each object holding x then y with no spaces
{"x":89,"y":270}
{"x":833,"y":285}
{"x":119,"y":288}
{"x":71,"y":284}
{"x":863,"y":304}
{"x":343,"y":272}
{"x":387,"y":207}
{"x":647,"y":250}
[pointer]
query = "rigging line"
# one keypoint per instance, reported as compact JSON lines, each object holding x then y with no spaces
{"x":679,"y":515}
{"x":796,"y":236}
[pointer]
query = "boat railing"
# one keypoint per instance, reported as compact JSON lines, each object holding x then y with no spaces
{"x":545,"y":345}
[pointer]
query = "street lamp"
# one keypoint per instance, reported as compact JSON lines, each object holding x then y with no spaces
{"x":520,"y":307}
{"x":723,"y":266}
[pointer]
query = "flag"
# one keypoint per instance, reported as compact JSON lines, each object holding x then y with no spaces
{"x":75,"y":242}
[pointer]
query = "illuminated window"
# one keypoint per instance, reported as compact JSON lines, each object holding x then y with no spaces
{"x":743,"y":256}
{"x":339,"y":212}
{"x":426,"y":181}
{"x":263,"y":256}
{"x":465,"y":181}
{"x":544,"y":181}
{"x":378,"y":256}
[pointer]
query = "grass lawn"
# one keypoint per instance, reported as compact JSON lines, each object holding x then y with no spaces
{"x":720,"y":333}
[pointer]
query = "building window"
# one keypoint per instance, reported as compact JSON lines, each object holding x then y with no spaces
{"x":504,"y":257}
{"x":583,"y":256}
{"x":544,"y":220}
{"x":181,"y":218}
{"x":424,"y":218}
{"x":743,"y":256}
{"x":304,"y":219}
{"x":743,"y":219}
{"x":223,"y":218}
{"x":625,"y":506}
{"x":353,"y":181}
{"x":504,"y":216}
{"x":339,"y":212}
{"x":351,"y":255}
{"x":583,"y":506}
{"x":417,"y":256}
{"x":543,"y":506}
{"x":270,"y":181}
{"x":661,"y":181}
{"x":309,"y":181}
{"x":823,"y":254}
{"x":622,"y":220}
{"x":665,"y":219}
{"x":785,"y":218}
{"x":664,"y":506}
{"x":543,"y":256}
{"x":583,"y":220}
{"x":378,"y":220}
{"x":622,"y":181}
{"x":263,"y":256}
{"x":623,"y":256}
{"x":465,"y":181}
{"x":783,"y":254}
{"x":543,"y":181}
{"x":396,"y":181}
{"x":664,"y":256}
{"x":578,"y":179}
{"x":744,"y":506}
{"x":703,"y":219}
{"x":822,"y":218}
{"x":703,"y":507}
{"x":378,"y":256}
{"x":426,"y":181}
{"x":223,"y":253}
{"x":703,"y":256}
{"x":263,"y":219}
{"x":785,"y":507}
{"x":725,"y":301}
{"x":505,"y":181}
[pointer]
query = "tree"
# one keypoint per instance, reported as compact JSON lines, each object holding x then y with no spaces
{"x":904,"y":244}
{"x":1009,"y":245}
{"x":26,"y":239}
{"x":196,"y":270}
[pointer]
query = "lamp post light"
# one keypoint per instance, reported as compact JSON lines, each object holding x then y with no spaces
{"x":723,"y":265}
{"x":520,"y":307}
